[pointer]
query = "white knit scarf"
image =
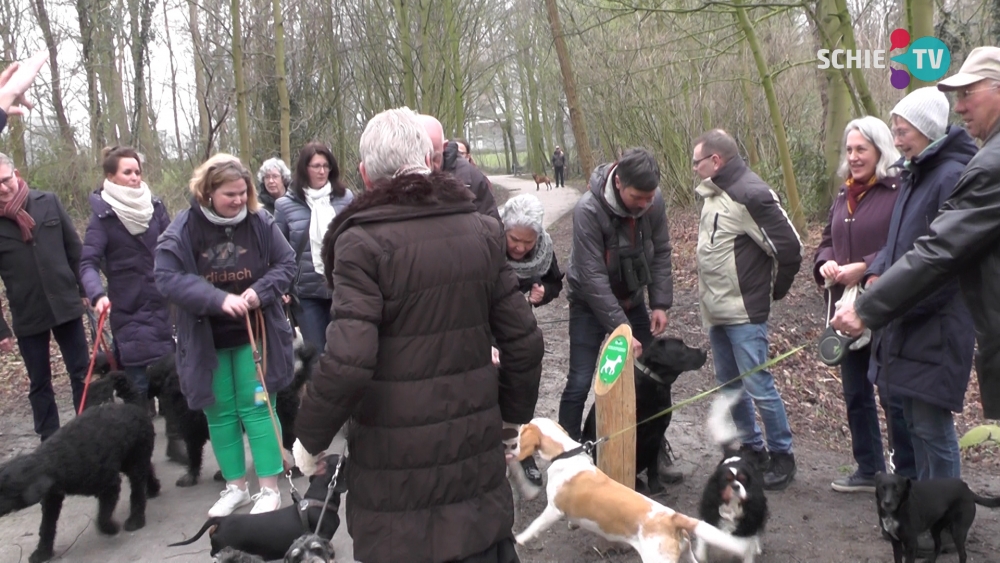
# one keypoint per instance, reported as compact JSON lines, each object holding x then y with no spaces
{"x":133,"y":206}
{"x":321,"y":214}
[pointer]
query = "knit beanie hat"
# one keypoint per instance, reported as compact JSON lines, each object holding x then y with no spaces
{"x":927,"y":110}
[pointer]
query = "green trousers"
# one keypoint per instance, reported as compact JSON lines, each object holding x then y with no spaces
{"x":234,"y":384}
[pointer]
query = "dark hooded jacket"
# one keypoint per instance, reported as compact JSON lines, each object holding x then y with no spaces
{"x":603,"y":233}
{"x":473,"y":178}
{"x":140,"y":317}
{"x":421,"y":288}
{"x":930,"y":347}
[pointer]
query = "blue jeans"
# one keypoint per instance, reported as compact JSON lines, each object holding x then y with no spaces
{"x":935,"y":443}
{"x":35,"y":351}
{"x":313,"y":318}
{"x":902,"y":446}
{"x":862,"y":412}
{"x":586,"y":334}
{"x":737,"y":349}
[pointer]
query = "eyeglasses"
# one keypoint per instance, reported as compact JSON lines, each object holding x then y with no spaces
{"x":698,"y":161}
{"x":961,"y":95}
{"x":272,"y":176}
{"x":319,"y":166}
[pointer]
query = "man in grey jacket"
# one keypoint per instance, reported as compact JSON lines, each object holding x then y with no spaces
{"x":621,"y":245}
{"x":748,"y":255}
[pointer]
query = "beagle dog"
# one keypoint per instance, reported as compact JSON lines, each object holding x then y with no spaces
{"x":583,"y":494}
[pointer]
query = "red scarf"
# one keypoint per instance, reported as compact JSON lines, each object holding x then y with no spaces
{"x":14,"y":210}
{"x":856,"y":191}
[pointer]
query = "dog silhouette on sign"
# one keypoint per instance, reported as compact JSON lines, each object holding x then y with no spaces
{"x":610,"y":365}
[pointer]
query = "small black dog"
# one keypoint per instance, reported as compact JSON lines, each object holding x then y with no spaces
{"x":733,"y":499}
{"x":85,"y":457}
{"x":164,"y":383}
{"x":310,"y":549}
{"x":104,"y":387}
{"x":271,"y":534}
{"x":907,"y":508}
{"x":665,"y":359}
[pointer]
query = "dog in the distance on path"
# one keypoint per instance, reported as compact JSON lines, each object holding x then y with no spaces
{"x":908,"y":508}
{"x":542,"y":179}
{"x":733,"y":499}
{"x":271,"y":534}
{"x":85,"y":457}
{"x":658,"y":368}
{"x":193,"y":426}
{"x":580,"y":492}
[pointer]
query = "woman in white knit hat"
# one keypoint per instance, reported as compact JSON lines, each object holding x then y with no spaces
{"x":927,"y":354}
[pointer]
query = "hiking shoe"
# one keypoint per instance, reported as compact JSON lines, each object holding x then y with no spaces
{"x":780,"y":474}
{"x":854,"y":483}
{"x":667,"y":472}
{"x":759,"y":459}
{"x":266,"y":500}
{"x":531,"y":471}
{"x":230,"y":499}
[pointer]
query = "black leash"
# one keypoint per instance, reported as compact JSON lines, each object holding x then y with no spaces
{"x":329,"y":492}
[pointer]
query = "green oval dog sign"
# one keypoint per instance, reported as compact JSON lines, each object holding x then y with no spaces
{"x":612,"y":361}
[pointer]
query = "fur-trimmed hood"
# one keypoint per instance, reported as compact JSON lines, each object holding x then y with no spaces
{"x":399,"y":199}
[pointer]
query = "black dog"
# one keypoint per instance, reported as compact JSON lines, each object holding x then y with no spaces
{"x":664,"y":360}
{"x":85,"y":457}
{"x":104,"y":387}
{"x":310,"y":549}
{"x":733,"y":500}
{"x":271,"y":534}
{"x":192,"y":425}
{"x":907,"y":508}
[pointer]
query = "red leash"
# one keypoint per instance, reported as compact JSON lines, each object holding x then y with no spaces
{"x":98,"y":342}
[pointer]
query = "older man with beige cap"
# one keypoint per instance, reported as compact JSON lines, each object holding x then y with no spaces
{"x":964,"y":239}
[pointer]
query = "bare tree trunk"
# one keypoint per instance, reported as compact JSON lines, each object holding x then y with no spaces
{"x":242,"y":119}
{"x":777,"y":122}
{"x":569,"y":86}
{"x":173,"y":83}
{"x":279,"y":69}
{"x":201,"y":89}
{"x":920,"y":22}
{"x":406,"y":53}
{"x":97,"y":139}
{"x":838,"y":107}
{"x":857,"y":74}
{"x":15,"y":142}
{"x":140,"y":16}
{"x":65,"y":131}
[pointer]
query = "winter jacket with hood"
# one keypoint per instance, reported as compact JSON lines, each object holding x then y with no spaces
{"x":930,"y":346}
{"x":41,"y":277}
{"x":140,"y":317}
{"x":603,"y":231}
{"x":421,"y":288}
{"x":748,"y":250}
{"x":194,"y":299}
{"x":292,"y":215}
{"x":473,"y":178}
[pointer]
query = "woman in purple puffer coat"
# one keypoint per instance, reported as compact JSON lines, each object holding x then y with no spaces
{"x":125,"y":222}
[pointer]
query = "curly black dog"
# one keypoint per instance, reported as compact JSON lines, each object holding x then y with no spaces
{"x":907,"y":508}
{"x":271,"y":534}
{"x":104,"y":387}
{"x":664,"y":359}
{"x":85,"y":457}
{"x":192,"y":424}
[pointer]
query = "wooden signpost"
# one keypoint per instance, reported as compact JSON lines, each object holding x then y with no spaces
{"x":614,"y":387}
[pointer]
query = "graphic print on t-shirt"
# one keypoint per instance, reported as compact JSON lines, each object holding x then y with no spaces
{"x":223,"y":261}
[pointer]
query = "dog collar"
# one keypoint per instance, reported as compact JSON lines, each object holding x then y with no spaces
{"x":304,"y":505}
{"x":648,"y":372}
{"x":585,"y":448}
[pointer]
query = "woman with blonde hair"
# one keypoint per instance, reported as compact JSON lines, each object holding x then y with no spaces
{"x":219,"y":261}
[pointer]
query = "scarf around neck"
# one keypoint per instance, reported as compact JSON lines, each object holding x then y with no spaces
{"x":216,"y":219}
{"x":133,"y":206}
{"x":321,"y":213}
{"x":856,"y":191}
{"x":15,"y":211}
{"x":537,"y":262}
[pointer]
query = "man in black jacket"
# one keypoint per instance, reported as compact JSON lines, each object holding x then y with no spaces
{"x":40,"y":264}
{"x":559,"y":165}
{"x":466,"y":173}
{"x":963,"y":239}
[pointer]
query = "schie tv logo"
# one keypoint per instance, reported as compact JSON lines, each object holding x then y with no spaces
{"x":928,"y":59}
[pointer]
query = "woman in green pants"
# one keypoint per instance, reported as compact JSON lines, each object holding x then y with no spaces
{"x":218,"y":263}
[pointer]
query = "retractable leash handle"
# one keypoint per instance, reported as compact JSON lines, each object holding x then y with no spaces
{"x":833,"y":344}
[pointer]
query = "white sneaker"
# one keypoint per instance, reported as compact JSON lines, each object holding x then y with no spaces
{"x":266,"y":500}
{"x":231,"y":499}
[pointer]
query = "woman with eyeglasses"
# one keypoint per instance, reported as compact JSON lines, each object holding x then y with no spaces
{"x":219,"y":262}
{"x":273,"y":179}
{"x":315,"y":197}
